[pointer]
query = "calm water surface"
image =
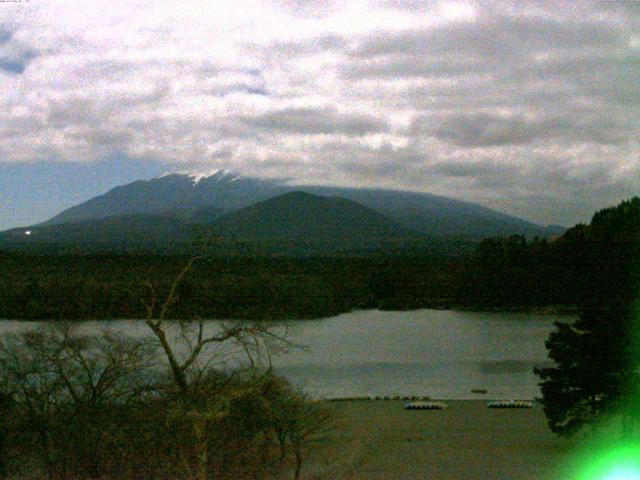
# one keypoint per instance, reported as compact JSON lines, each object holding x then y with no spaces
{"x":440,"y":353}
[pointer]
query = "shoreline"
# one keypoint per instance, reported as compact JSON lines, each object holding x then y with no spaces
{"x":550,"y":311}
{"x":405,"y":398}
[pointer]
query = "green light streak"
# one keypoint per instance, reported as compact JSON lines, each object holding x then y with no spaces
{"x":615,"y":462}
{"x":608,"y":457}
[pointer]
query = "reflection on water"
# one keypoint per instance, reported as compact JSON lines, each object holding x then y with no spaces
{"x":443,"y":354}
{"x":512,"y":366}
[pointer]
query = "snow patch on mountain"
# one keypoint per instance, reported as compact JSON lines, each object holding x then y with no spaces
{"x":197,"y":176}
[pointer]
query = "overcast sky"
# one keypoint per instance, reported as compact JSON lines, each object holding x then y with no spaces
{"x":532,"y":108}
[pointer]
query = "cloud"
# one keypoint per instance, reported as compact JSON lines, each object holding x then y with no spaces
{"x":495,"y":37}
{"x":477,"y":129}
{"x":15,"y":55}
{"x":5,"y":36}
{"x":475,"y":100}
{"x":312,"y":121}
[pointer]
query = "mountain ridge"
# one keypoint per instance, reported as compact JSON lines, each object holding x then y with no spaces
{"x":301,"y":216}
{"x":294,"y":223}
{"x":424,"y":213}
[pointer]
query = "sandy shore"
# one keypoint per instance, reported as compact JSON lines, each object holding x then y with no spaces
{"x":382,"y":440}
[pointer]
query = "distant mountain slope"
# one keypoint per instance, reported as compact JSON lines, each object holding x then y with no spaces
{"x":173,"y":193}
{"x":303,"y":217}
{"x":225,"y":192}
{"x":434,"y":215}
{"x":114,"y":232}
{"x":294,"y":223}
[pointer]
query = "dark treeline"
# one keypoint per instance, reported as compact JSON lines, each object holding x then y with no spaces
{"x":568,"y":271}
{"x":515,"y":273}
{"x":502,"y":273}
{"x":106,"y":286}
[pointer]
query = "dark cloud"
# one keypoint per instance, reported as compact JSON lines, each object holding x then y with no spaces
{"x":406,"y":65}
{"x":310,"y":120}
{"x":475,"y":129}
{"x":499,"y":37}
{"x":89,"y":111}
{"x":224,"y":90}
{"x":308,"y":46}
{"x":219,"y":81}
{"x":487,"y":169}
{"x":307,"y":8}
{"x":17,"y":62}
{"x":12,"y":66}
{"x":471,"y":129}
{"x":5,"y":36}
{"x":15,"y":54}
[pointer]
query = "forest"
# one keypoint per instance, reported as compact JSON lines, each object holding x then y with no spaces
{"x":112,"y":286}
{"x":509,"y":273}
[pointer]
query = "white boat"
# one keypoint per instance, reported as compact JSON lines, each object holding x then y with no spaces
{"x":510,"y":404}
{"x":425,"y":406}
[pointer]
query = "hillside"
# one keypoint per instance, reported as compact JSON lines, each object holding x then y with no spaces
{"x":295,"y":224}
{"x":302,"y":217}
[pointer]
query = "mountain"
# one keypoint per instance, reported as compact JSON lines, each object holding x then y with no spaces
{"x":435,"y":215}
{"x":295,"y":222}
{"x":303,"y":217}
{"x":181,"y":195}
{"x":173,"y":195}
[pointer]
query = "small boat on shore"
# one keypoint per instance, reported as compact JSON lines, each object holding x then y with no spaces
{"x":426,"y":406}
{"x":510,"y":404}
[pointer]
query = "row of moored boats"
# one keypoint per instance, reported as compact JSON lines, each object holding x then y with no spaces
{"x":420,"y":405}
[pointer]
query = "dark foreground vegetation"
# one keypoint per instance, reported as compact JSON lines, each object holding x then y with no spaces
{"x":596,"y":376}
{"x":78,"y":406}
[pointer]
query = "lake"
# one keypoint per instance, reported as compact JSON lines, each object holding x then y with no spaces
{"x":439,"y":353}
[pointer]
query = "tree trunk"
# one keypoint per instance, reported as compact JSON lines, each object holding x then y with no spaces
{"x":201,"y":448}
{"x":178,"y":373}
{"x":3,"y":461}
{"x":45,"y":446}
{"x":296,"y":475}
{"x":282,"y":441}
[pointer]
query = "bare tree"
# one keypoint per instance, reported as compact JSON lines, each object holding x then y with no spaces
{"x":257,"y":341}
{"x":55,"y":375}
{"x":97,"y":404}
{"x":194,"y":351}
{"x":310,"y":424}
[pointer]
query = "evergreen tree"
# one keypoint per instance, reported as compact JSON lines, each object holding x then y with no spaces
{"x":597,"y":358}
{"x":595,"y":361}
